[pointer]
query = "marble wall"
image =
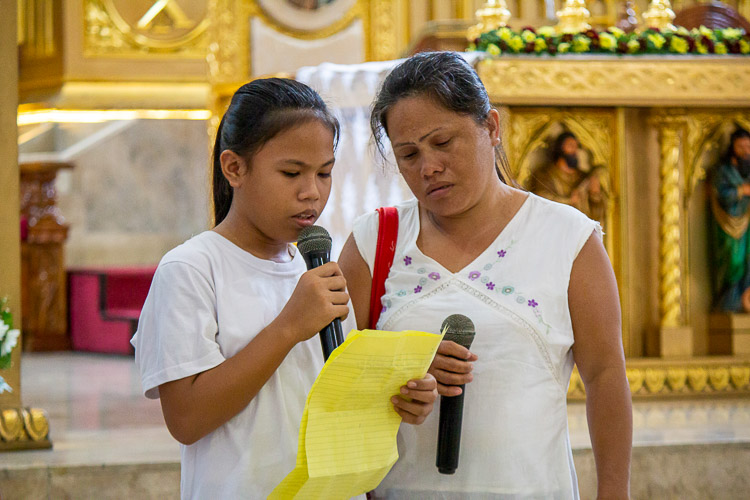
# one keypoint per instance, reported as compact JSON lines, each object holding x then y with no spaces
{"x":135,"y":194}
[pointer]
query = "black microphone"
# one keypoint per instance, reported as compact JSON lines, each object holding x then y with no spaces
{"x":314,"y":243}
{"x":460,"y":330}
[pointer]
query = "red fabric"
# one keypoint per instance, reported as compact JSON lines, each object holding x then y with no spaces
{"x":384,"y":253}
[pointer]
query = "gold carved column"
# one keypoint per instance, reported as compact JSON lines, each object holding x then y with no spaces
{"x":675,"y":334}
{"x":20,"y":428}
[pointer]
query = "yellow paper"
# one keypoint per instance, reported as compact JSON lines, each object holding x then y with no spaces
{"x":347,"y":437}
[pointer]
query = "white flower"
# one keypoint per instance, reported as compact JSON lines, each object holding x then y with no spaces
{"x":4,"y":387}
{"x":8,"y":339}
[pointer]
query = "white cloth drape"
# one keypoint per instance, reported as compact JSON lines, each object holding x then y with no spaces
{"x":362,"y":181}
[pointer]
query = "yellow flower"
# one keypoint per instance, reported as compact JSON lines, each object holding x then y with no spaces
{"x":563,"y":48}
{"x":708,"y":33}
{"x":546,"y":31}
{"x":504,"y":33}
{"x":681,"y":30}
{"x":720,"y":48}
{"x":744,"y":47}
{"x":732,"y":33}
{"x":516,"y":43}
{"x":679,"y":45}
{"x":617,"y":32}
{"x":607,"y":41}
{"x":493,"y":49}
{"x":528,"y":36}
{"x":540,"y":45}
{"x":634,"y":46}
{"x":581,"y":44}
{"x":657,"y":40}
{"x":700,"y":48}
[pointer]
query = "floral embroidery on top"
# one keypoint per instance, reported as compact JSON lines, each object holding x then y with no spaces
{"x":434,"y":276}
{"x":407,"y":260}
{"x":507,"y":290}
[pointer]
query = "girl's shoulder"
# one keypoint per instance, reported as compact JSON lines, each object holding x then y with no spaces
{"x":196,"y":255}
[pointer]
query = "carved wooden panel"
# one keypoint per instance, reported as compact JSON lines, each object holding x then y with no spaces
{"x":43,"y":286}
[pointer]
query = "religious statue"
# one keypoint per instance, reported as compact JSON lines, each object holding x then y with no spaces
{"x":564,"y":180}
{"x":729,"y":194}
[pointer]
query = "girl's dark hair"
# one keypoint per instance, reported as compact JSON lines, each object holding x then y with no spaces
{"x":557,"y":146}
{"x":445,"y":77}
{"x":259,"y":111}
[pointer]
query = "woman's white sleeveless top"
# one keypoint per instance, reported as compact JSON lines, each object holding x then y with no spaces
{"x":514,"y":441}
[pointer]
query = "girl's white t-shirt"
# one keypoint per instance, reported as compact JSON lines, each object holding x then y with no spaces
{"x":208,"y":299}
{"x":514,"y":440}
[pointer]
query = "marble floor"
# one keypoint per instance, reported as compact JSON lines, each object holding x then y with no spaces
{"x":98,"y":417}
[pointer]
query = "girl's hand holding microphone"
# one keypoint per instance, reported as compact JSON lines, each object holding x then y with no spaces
{"x":319,"y":298}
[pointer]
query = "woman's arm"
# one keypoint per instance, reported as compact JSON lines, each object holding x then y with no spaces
{"x":196,"y":405}
{"x":358,"y":281}
{"x":595,"y":313}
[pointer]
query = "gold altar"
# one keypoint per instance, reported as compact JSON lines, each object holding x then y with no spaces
{"x":658,"y":124}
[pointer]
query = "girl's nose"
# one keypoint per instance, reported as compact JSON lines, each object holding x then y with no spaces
{"x":310,"y":189}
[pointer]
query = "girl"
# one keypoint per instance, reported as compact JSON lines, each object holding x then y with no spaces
{"x":225,"y":338}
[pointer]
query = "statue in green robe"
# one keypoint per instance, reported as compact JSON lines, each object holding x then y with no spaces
{"x":730,"y":207}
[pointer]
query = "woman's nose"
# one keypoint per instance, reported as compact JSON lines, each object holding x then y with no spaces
{"x":429,"y":165}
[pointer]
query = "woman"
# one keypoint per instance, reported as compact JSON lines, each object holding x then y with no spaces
{"x":531,"y":274}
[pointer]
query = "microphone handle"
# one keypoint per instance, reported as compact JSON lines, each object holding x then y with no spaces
{"x":328,"y":339}
{"x":449,"y":432}
{"x":332,"y":335}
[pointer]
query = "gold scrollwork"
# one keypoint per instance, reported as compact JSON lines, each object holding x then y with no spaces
{"x":382,"y":34}
{"x":691,"y":378}
{"x":23,"y":427}
{"x":616,"y":82}
{"x":228,"y":48}
{"x":11,"y":424}
{"x":107,"y":33}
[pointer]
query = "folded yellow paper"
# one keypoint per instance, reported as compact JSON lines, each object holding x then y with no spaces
{"x":347,"y":437}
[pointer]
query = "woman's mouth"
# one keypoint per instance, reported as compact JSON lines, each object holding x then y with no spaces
{"x":438,"y":189}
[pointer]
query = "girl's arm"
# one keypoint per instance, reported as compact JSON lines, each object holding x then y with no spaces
{"x":595,"y":313}
{"x":196,"y":405}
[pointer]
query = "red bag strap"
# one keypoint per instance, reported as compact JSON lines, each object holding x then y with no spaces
{"x":384,"y":253}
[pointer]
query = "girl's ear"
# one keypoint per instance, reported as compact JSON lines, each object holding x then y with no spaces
{"x":233,"y":166}
{"x":493,"y":125}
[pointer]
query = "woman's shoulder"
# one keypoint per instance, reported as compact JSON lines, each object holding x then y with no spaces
{"x":556,"y":220}
{"x":554,"y":212}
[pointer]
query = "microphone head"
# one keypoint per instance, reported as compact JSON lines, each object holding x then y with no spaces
{"x":314,"y":239}
{"x":459,"y":329}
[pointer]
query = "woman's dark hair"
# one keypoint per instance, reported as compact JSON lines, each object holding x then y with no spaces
{"x":445,"y":77}
{"x":557,"y":146}
{"x":259,"y":111}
